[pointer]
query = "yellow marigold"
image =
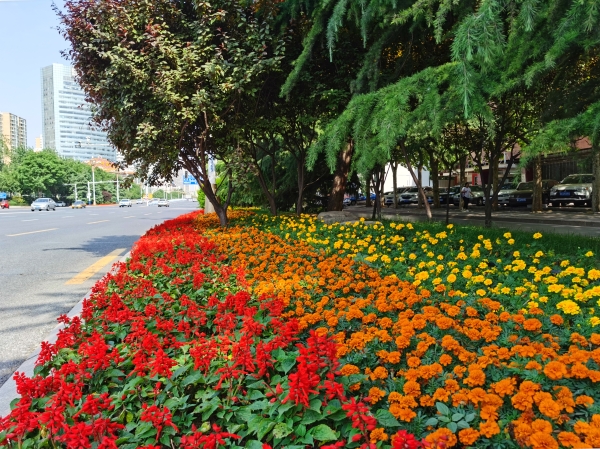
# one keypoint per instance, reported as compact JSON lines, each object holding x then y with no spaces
{"x":537,"y":235}
{"x":507,"y":235}
{"x":375,"y":395}
{"x":468,"y":436}
{"x":467,"y":274}
{"x":593,"y":274}
{"x":451,"y":278}
{"x":378,"y":434}
{"x":569,"y":307}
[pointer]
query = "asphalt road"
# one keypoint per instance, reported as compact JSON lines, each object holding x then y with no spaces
{"x":50,"y":260}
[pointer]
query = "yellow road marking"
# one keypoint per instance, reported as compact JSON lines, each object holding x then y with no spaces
{"x":101,"y":221}
{"x":31,"y":232}
{"x":95,"y":267}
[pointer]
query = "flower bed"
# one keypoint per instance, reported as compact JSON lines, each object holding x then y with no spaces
{"x":283,"y":332}
{"x":474,"y":344}
{"x":173,"y":351}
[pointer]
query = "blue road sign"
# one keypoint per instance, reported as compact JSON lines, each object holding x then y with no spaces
{"x":2,"y":195}
{"x":190,"y":181}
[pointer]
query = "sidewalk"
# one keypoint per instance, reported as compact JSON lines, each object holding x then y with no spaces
{"x":562,"y":220}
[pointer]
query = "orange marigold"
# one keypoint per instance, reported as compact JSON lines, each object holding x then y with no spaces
{"x":505,"y":387}
{"x":584,"y":400}
{"x":379,"y":373}
{"x":532,"y":324}
{"x":375,"y":395}
{"x":541,"y":425}
{"x":441,"y":438}
{"x":557,"y":320}
{"x":413,"y":362}
{"x":549,"y":408}
{"x":412,"y":388}
{"x":468,"y":436}
{"x":489,"y":428}
{"x":476,"y":378}
{"x":568,"y":439}
{"x":378,"y":434}
{"x":541,"y":440}
{"x":445,"y":359}
{"x":349,"y":369}
{"x":555,"y":370}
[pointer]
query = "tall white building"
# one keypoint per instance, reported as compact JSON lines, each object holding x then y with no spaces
{"x":67,"y":117}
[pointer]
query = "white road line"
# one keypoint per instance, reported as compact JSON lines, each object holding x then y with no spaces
{"x":131,"y":216}
{"x":33,"y":219}
{"x":149,"y":213}
{"x":31,"y":232}
{"x":69,"y":216}
{"x":101,"y":221}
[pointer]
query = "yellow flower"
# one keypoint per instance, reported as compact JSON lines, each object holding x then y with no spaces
{"x":589,"y":254}
{"x":450,"y":226}
{"x":569,"y":307}
{"x":511,"y":241}
{"x":451,"y":278}
{"x":507,"y":235}
{"x":481,"y":292}
{"x":564,"y":263}
{"x":537,"y":235}
{"x":467,"y":274}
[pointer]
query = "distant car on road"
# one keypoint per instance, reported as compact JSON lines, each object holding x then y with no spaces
{"x":139,"y":201}
{"x":163,"y":203}
{"x":125,"y":203}
{"x":78,"y":205}
{"x":60,"y":204}
{"x":43,"y":204}
{"x":4,"y":204}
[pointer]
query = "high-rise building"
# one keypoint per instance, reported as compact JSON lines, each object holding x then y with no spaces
{"x":13,"y":129}
{"x":66,"y":117}
{"x":39,"y":144}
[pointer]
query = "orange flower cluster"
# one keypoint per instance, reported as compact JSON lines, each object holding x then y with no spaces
{"x":408,"y":348}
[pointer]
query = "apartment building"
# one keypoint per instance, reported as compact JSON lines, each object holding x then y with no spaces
{"x":13,"y":131}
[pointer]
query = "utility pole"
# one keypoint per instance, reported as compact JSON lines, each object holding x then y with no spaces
{"x":93,"y":183}
{"x":117,"y":185}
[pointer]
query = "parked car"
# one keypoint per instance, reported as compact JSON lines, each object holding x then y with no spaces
{"x":576,"y":189}
{"x":43,"y":204}
{"x":125,"y":203}
{"x":523,"y":196}
{"x":504,"y":193}
{"x":353,"y":199}
{"x":444,"y":194}
{"x":78,"y":205}
{"x":411,"y":196}
{"x":163,"y":203}
{"x":477,"y":196}
{"x":389,"y":196}
{"x":4,"y":204}
{"x":139,"y":201}
{"x":60,"y":204}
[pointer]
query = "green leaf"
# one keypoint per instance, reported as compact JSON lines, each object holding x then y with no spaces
{"x":192,"y":378}
{"x":310,"y":416}
{"x":470,"y":417}
{"x":323,"y":433}
{"x":463,"y":425}
{"x":265,"y":427}
{"x":287,"y":364}
{"x":453,"y":427}
{"x":442,"y":408}
{"x":315,"y":404}
{"x":282,"y":430}
{"x":457,"y":416}
{"x":431,"y":422}
{"x":386,"y":419}
{"x":254,"y":444}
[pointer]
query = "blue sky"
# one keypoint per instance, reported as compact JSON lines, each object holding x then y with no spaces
{"x":28,"y":41}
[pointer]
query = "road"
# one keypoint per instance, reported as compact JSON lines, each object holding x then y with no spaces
{"x":50,"y":260}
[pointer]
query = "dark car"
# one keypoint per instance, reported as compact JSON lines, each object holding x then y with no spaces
{"x":576,"y":189}
{"x":523,"y":196}
{"x":444,"y":194}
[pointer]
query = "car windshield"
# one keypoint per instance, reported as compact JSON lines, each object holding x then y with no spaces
{"x":525,"y":186}
{"x":41,"y":200}
{"x":412,"y":190}
{"x":476,"y":189}
{"x":578,"y":179}
{"x":507,"y":187}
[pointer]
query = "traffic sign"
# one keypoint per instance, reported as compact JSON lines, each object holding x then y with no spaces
{"x":2,"y":195}
{"x":190,"y":181}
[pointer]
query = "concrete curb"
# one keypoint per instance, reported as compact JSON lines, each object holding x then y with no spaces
{"x":8,"y":391}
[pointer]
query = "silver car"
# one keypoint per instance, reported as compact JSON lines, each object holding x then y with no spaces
{"x":163,"y":203}
{"x":576,"y":189}
{"x":43,"y":204}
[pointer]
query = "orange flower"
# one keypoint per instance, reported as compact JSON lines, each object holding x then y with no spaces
{"x":468,"y":436}
{"x":555,"y":370}
{"x":379,"y":373}
{"x":445,"y":359}
{"x":489,"y":428}
{"x":568,"y":439}
{"x":549,"y":408}
{"x":541,"y":425}
{"x":375,"y":395}
{"x":378,"y":434}
{"x":441,"y":438}
{"x":413,"y":362}
{"x":556,"y":320}
{"x":532,"y":324}
{"x":505,"y":387}
{"x":347,"y":370}
{"x":584,"y":400}
{"x":533,"y":365}
{"x":579,"y":371}
{"x":541,"y":440}
{"x":412,"y":388}
{"x":393,"y":357}
{"x":476,"y":377}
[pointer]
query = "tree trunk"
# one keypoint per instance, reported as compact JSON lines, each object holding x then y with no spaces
{"x":377,"y":183}
{"x":220,"y":210}
{"x":435,"y":168}
{"x":448,"y":196}
{"x":494,"y":174}
{"x":301,"y":171}
{"x":420,"y":184}
{"x":462,"y":165}
{"x":368,"y":190}
{"x":537,"y":200}
{"x":416,"y":180}
{"x":595,"y":198}
{"x":270,"y":197}
{"x":336,"y":201}
{"x":394,"y":166}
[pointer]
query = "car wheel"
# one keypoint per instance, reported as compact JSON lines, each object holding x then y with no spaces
{"x":479,"y":202}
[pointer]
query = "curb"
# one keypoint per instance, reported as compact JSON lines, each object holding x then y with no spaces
{"x":8,"y":391}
